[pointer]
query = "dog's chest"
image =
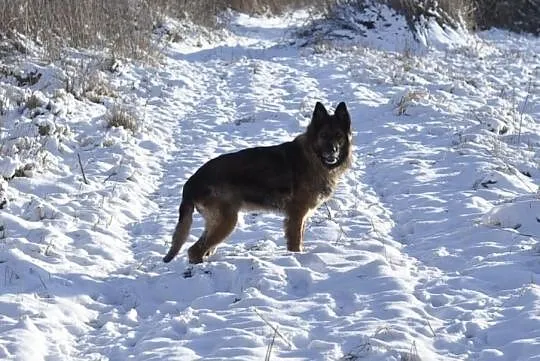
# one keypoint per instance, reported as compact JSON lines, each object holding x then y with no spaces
{"x":319,"y":193}
{"x":324,"y":192}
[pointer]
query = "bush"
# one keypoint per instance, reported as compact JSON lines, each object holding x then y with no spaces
{"x":448,"y":12}
{"x":515,"y":15}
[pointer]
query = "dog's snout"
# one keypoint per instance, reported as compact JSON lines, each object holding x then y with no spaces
{"x":331,"y":148}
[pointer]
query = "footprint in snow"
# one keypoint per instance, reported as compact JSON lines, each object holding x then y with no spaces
{"x":312,"y":261}
{"x":300,"y":281}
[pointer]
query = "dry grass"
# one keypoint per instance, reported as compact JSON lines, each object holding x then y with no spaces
{"x":125,"y":28}
{"x":4,"y":104}
{"x":85,"y":80}
{"x":278,"y":6}
{"x":407,"y":99}
{"x":33,"y":101}
{"x":121,"y":27}
{"x":121,"y":116}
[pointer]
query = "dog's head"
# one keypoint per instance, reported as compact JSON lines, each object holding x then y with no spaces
{"x":330,"y":135}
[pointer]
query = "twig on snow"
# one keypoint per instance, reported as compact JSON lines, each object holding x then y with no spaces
{"x":274,"y":328}
{"x":82,"y":169}
{"x":270,"y":346}
{"x":523,"y":109}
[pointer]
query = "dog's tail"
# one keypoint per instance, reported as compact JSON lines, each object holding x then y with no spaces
{"x":183,"y":226}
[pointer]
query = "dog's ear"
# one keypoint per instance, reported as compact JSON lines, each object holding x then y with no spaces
{"x":343,"y":117}
{"x":320,"y":116}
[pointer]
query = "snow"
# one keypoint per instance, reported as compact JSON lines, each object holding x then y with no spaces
{"x":427,"y":251}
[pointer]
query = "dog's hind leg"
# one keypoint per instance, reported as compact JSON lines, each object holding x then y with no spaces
{"x":220,"y":222}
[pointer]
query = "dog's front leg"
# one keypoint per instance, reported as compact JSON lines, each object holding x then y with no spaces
{"x":294,"y":230}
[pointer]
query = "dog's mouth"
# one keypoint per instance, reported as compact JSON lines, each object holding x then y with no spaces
{"x":330,"y":159}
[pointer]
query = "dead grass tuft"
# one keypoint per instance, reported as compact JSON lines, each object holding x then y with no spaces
{"x":121,"y":116}
{"x":33,"y":102}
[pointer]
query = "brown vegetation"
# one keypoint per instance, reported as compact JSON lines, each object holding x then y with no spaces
{"x":124,"y":27}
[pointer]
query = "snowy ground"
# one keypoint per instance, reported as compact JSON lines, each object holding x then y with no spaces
{"x":428,"y":250}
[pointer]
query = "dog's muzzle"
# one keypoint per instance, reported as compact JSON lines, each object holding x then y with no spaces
{"x":331,"y":157}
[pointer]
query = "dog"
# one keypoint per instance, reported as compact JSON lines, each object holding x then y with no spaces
{"x":293,"y":178}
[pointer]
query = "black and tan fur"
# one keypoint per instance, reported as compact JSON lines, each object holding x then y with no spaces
{"x":293,"y":178}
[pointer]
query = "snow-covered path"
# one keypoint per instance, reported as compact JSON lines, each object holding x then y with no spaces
{"x":427,"y":251}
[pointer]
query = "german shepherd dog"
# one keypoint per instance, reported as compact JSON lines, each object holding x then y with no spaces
{"x":293,"y":178}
